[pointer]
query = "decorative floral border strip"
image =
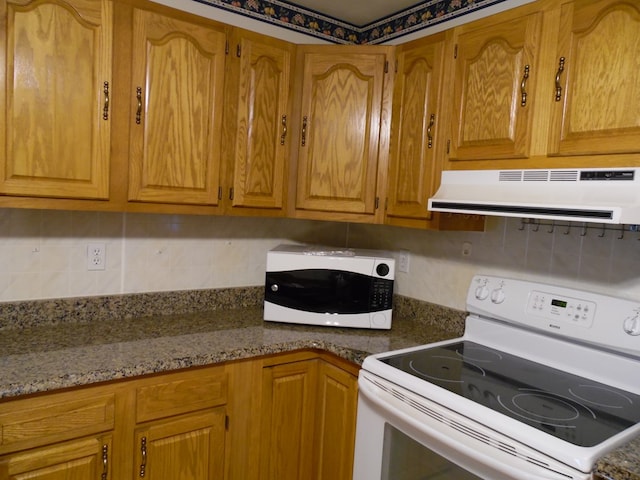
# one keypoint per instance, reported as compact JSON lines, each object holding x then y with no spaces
{"x":287,"y":15}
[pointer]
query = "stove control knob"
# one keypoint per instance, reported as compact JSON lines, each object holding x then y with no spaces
{"x":482,"y":292}
{"x":497,"y":296}
{"x":632,"y":325}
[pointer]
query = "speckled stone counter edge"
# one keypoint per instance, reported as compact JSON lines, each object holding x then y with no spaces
{"x":37,"y":313}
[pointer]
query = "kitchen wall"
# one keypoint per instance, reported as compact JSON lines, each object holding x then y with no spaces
{"x":574,"y":257}
{"x":43,"y":254}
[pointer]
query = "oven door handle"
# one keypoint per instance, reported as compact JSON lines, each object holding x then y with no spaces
{"x":455,"y":437}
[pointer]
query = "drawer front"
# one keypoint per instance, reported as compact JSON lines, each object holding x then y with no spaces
{"x":25,"y":424}
{"x":181,"y":394}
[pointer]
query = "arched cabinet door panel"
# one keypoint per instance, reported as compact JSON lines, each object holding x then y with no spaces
{"x":55,"y":122}
{"x":596,"y":108}
{"x":491,"y":119}
{"x":176,"y":105}
{"x":416,"y":129}
{"x":340,"y":128}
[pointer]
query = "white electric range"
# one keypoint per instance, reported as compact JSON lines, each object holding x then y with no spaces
{"x":544,"y":381}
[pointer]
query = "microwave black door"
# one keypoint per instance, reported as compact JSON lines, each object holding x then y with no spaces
{"x":328,"y":291}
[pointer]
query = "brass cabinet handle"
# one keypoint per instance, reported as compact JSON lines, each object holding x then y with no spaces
{"x":304,"y":131}
{"x":284,"y":129}
{"x":432,"y":120}
{"x":105,"y":462}
{"x":558,"y":86}
{"x":139,"y":111}
{"x":523,"y":86}
{"x":143,"y":451}
{"x":105,"y":109}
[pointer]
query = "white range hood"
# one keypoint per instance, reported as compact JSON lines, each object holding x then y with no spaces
{"x":599,"y":195}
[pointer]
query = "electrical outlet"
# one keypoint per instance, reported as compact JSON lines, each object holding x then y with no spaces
{"x":466,"y":249}
{"x":403,"y":261}
{"x":96,"y":256}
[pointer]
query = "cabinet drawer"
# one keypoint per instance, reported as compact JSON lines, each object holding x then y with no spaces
{"x":176,"y":394}
{"x":26,"y":424}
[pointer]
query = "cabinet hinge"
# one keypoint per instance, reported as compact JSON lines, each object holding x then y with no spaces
{"x":396,"y":66}
{"x":377,"y":204}
{"x":226,"y":47}
{"x":386,"y":66}
{"x":448,"y":146}
{"x":455,"y":51}
{"x":219,"y":193}
{"x":238,"y":51}
{"x":231,"y":193}
{"x":226,"y":422}
{"x":386,"y":203}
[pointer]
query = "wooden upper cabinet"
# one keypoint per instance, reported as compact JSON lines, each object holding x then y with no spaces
{"x":596,"y":110}
{"x":260,"y":92}
{"x":54,"y":98}
{"x":176,"y":105}
{"x":495,"y":66}
{"x":340,"y":128}
{"x":416,"y":119}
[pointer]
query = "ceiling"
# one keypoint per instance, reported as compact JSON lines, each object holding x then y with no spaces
{"x":357,"y":12}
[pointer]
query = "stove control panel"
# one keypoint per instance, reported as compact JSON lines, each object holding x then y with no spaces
{"x":610,"y":322}
{"x":564,"y":309}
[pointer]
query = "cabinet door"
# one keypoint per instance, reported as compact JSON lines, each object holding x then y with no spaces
{"x":596,"y":109}
{"x":54,"y":98}
{"x":84,"y":459}
{"x":261,"y":134}
{"x":416,"y":119}
{"x":288,"y":412}
{"x":340,"y":128}
{"x":178,"y":74}
{"x":336,"y":428}
{"x":495,"y":63}
{"x":190,"y":447}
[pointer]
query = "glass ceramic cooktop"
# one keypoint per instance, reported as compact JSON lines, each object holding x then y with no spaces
{"x":572,"y":408}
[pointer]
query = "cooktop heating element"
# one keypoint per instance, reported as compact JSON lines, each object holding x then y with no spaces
{"x":573,"y":408}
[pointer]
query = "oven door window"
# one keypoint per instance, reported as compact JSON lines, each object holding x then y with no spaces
{"x":405,"y":459}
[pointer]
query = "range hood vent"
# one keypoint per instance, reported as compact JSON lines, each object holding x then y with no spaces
{"x":584,"y":195}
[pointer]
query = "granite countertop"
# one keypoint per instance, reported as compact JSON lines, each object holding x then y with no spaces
{"x":49,"y":345}
{"x":40,"y":356}
{"x":49,"y":357}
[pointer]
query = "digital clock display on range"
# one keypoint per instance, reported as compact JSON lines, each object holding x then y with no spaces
{"x":559,"y":303}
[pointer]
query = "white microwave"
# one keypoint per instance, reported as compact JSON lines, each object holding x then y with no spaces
{"x":329,"y":287}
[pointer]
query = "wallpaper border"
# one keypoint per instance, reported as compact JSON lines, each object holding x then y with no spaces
{"x":309,"y":22}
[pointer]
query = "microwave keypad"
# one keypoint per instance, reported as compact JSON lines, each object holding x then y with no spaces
{"x":382,"y":293}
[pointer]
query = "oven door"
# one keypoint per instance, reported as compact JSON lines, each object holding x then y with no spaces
{"x":402,"y":436}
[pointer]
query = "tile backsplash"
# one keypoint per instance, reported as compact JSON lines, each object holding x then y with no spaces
{"x":43,"y":254}
{"x":576,"y":257}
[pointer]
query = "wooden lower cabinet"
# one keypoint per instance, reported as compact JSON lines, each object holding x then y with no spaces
{"x":335,"y":422}
{"x":82,"y":459}
{"x":97,"y":432}
{"x":288,"y":411}
{"x":307,"y":421}
{"x":288,"y":416}
{"x":190,"y":447}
